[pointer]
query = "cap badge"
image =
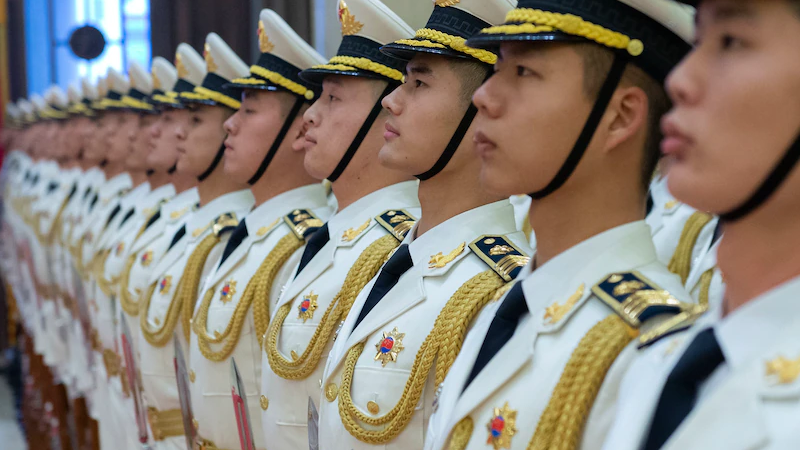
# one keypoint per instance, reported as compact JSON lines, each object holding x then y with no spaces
{"x":502,"y":427}
{"x":389,"y":347}
{"x":182,"y":71}
{"x":307,"y":306}
{"x":210,"y":64}
{"x":350,"y":25}
{"x":263,"y":40}
{"x":445,"y":3}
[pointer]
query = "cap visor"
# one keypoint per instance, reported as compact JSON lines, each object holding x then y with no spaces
{"x":489,"y":41}
{"x":406,"y":52}
{"x":316,"y":76}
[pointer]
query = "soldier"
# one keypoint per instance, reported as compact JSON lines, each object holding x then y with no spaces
{"x":595,"y":282}
{"x":188,"y":254}
{"x":342,"y":142}
{"x":730,"y":381}
{"x":155,"y":236}
{"x":234,"y":305}
{"x":462,"y":250}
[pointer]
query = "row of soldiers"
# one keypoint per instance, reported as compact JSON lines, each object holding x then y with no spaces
{"x":185,"y":279}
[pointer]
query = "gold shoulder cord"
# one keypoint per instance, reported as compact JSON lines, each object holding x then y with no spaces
{"x":98,"y":265}
{"x":459,"y":437}
{"x":364,"y":269}
{"x":681,"y":262}
{"x":129,"y":305}
{"x":187,"y":292}
{"x":256,"y":293}
{"x":441,"y":345}
{"x":183,"y":300}
{"x":705,"y":286}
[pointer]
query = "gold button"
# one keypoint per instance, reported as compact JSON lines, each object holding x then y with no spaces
{"x":264,"y":403}
{"x":331,"y":391}
{"x":635,"y":47}
{"x":191,"y":376}
{"x":373,"y":407}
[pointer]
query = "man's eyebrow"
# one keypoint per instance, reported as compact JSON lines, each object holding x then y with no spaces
{"x":418,"y":69}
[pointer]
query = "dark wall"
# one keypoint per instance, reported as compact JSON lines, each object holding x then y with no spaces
{"x":176,"y":21}
{"x":16,"y":50}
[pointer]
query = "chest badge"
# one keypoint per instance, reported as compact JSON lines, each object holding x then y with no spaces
{"x":784,"y":370}
{"x":120,"y":248}
{"x":227,"y":291}
{"x":165,"y":284}
{"x":146,"y":258}
{"x":307,"y":306}
{"x":502,"y":427}
{"x":440,"y":260}
{"x":389,"y":347}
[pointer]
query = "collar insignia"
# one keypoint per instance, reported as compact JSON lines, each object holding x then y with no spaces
{"x":784,"y":370}
{"x":555,"y":312}
{"x":351,"y":233}
{"x":439,"y":260}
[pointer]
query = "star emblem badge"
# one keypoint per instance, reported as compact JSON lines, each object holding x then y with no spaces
{"x":165,"y":284}
{"x":389,"y":347}
{"x":227,"y":291}
{"x":307,"y":306}
{"x":502,"y":427}
{"x":146,"y":258}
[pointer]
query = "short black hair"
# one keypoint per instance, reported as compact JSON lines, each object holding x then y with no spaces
{"x":471,"y":74}
{"x":597,"y":63}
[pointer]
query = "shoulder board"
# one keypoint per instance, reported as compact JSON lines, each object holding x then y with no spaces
{"x":224,"y":223}
{"x":500,"y":254}
{"x":303,"y":222}
{"x":398,"y":222}
{"x":675,"y":324}
{"x":636,"y":299}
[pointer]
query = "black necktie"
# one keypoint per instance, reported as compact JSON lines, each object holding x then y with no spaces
{"x":391,"y":272}
{"x":501,"y":329}
{"x":678,"y":398}
{"x":313,"y":246}
{"x":113,"y":214}
{"x":181,"y":233}
{"x":236,"y":239}
{"x":127,"y":216}
{"x":153,"y":219}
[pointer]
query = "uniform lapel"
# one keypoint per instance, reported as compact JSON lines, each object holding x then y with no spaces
{"x":169,"y":259}
{"x":321,"y":261}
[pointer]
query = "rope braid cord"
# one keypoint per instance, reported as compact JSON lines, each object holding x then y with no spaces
{"x":441,"y":345}
{"x":681,"y":262}
{"x":530,"y":21}
{"x":437,"y":39}
{"x":184,"y":297}
{"x":256,"y":294}
{"x":129,"y":305}
{"x":351,"y":63}
{"x":364,"y":269}
{"x":562,"y":422}
{"x":705,"y":286}
{"x":459,"y":437}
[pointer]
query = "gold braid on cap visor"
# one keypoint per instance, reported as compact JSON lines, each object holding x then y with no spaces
{"x":137,"y":104}
{"x":201,"y":93}
{"x":170,"y":98}
{"x":437,"y":39}
{"x":350,"y":64}
{"x":531,"y":21}
{"x":276,"y":79}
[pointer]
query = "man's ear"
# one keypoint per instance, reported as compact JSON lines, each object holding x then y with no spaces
{"x":628,"y":116}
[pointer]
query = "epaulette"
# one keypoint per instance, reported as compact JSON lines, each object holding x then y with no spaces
{"x":500,"y":254}
{"x":303,"y":222}
{"x":224,"y":223}
{"x":398,"y":222}
{"x":636,"y":299}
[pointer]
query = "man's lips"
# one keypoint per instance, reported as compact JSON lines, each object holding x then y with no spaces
{"x":675,"y":141}
{"x":483,"y":144}
{"x":391,"y":132}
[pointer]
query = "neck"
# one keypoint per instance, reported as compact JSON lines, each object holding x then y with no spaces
{"x":137,"y":177}
{"x":269,"y":186}
{"x":113,"y":169}
{"x":447,"y":195}
{"x":158,"y":178}
{"x":756,"y":254}
{"x":571,"y":215}
{"x":182,"y":182}
{"x":216,"y":185}
{"x":364,"y":175}
{"x":86,"y":165}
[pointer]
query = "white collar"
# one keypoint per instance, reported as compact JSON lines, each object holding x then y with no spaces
{"x":399,"y":195}
{"x":307,"y":197}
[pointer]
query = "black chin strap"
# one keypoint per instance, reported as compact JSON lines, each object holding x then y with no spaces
{"x":278,"y":140}
{"x":362,"y":133}
{"x":769,"y":186}
{"x":599,"y":109}
{"x":172,"y":169}
{"x":214,"y":163}
{"x":452,"y":146}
